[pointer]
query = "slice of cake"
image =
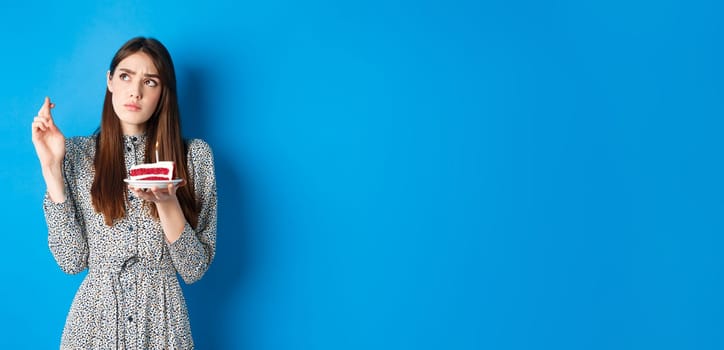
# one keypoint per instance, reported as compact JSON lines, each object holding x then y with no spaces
{"x":159,"y":171}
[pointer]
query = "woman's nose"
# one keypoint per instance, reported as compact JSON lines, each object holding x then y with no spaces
{"x":135,"y":92}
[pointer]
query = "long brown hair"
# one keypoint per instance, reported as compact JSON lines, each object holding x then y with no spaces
{"x":164,"y":127}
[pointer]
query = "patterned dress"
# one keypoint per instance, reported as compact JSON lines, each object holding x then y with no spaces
{"x":131,"y":297}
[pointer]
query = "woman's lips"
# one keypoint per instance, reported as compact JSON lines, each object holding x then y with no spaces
{"x":132,"y":107}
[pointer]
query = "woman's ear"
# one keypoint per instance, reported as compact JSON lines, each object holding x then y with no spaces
{"x":108,"y":81}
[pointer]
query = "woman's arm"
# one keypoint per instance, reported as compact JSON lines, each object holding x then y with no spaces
{"x":66,"y":231}
{"x":192,"y":250}
{"x":66,"y":234}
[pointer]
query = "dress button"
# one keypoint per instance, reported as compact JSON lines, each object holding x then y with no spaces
{"x":134,"y":139}
{"x":128,"y":149}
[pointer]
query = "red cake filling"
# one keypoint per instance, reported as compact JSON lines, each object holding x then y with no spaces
{"x":159,"y":171}
{"x":149,"y":171}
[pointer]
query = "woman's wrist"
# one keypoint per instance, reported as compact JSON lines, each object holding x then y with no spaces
{"x":52,"y":171}
{"x":53,"y":176}
{"x":172,"y":218}
{"x":168,"y":205}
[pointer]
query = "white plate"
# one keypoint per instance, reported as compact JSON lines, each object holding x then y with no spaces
{"x":152,"y":183}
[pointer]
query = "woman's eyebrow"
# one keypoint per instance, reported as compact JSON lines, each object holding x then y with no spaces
{"x":126,"y":70}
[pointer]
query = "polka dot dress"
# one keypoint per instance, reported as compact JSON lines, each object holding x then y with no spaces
{"x":131,"y":297}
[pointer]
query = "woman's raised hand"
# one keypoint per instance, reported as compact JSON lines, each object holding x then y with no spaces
{"x":49,"y":142}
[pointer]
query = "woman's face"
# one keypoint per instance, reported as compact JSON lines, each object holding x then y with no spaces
{"x":136,"y":88}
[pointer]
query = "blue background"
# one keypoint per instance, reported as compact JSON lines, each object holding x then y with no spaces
{"x":408,"y":174}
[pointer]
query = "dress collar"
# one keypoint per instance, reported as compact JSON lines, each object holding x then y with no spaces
{"x":134,"y":139}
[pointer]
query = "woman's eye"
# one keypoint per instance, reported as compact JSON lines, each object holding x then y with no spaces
{"x":151,"y":83}
{"x":124,"y":76}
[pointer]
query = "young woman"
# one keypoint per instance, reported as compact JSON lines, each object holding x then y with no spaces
{"x":133,"y":241}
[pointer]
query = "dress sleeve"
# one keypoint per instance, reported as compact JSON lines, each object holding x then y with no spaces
{"x":66,"y":231}
{"x":194,"y":250}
